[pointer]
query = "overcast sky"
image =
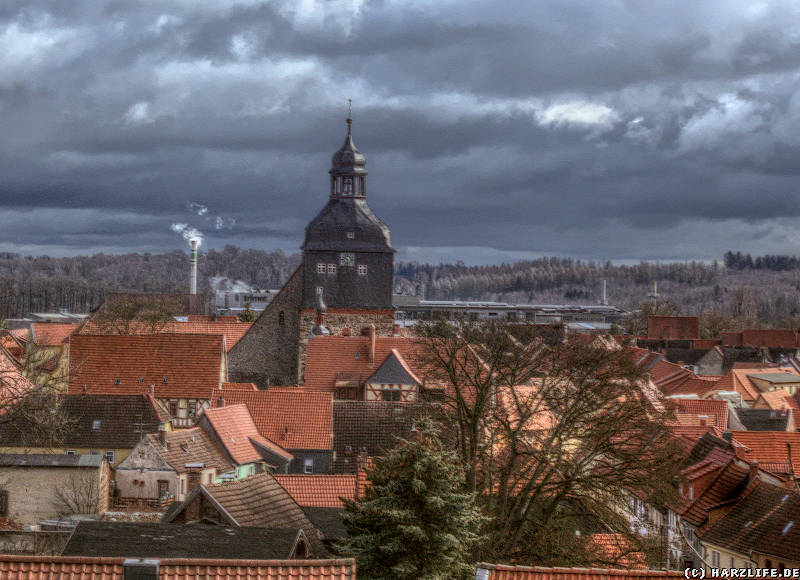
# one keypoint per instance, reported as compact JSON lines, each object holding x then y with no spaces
{"x":493,"y":130}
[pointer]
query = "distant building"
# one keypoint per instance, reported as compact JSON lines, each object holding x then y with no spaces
{"x":232,"y":302}
{"x":411,"y":309}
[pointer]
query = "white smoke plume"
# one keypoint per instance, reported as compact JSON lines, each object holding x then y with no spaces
{"x":188,"y":233}
{"x":223,"y":284}
{"x":222,"y":223}
{"x":198,"y":208}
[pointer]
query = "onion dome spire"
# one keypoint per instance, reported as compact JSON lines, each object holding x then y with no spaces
{"x":348,"y":167}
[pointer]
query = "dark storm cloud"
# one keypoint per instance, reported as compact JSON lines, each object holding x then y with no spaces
{"x":597,"y":129}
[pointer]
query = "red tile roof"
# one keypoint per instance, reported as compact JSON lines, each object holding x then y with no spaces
{"x":765,"y":519}
{"x":771,"y":338}
{"x":52,"y":333}
{"x":292,"y":417}
{"x":238,"y":434}
{"x":257,"y":569}
{"x":231,"y":329}
{"x":778,"y":400}
{"x":505,"y":572}
{"x":770,"y":449}
{"x":726,"y":485}
{"x":319,"y":490}
{"x":329,"y":356}
{"x":89,"y":568}
{"x":239,"y":387}
{"x":715,"y":410}
{"x":673,"y":327}
{"x":192,"y":364}
{"x":617,"y":549}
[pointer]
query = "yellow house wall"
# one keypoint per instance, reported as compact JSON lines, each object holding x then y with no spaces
{"x":119,"y":454}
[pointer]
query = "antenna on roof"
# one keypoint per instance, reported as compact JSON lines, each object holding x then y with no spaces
{"x":349,"y":115}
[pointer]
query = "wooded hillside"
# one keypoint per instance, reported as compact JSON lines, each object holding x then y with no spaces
{"x":763,"y":290}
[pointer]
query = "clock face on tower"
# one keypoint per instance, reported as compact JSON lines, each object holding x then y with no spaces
{"x":347,"y":259}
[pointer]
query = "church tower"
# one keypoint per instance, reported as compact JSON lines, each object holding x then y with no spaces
{"x":343,"y":285}
{"x":347,"y":253}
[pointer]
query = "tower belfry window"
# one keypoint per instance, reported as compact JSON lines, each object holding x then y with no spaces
{"x":348,"y":184}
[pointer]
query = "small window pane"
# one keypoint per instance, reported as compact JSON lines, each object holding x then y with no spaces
{"x":320,"y":268}
{"x":331,"y":268}
{"x":362,"y":269}
{"x":308,"y":465}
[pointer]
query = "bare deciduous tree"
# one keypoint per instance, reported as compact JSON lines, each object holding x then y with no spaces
{"x":79,"y":495}
{"x":552,"y":433}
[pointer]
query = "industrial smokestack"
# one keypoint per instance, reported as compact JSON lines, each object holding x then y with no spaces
{"x":193,"y":269}
{"x":605,"y":296}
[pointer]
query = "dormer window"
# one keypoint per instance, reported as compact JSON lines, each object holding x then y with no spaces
{"x":117,"y":381}
{"x":141,"y":380}
{"x":164,"y":380}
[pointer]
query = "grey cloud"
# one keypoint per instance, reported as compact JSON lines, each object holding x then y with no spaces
{"x":601,"y":129}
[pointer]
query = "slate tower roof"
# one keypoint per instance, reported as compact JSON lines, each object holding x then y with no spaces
{"x":347,"y":252}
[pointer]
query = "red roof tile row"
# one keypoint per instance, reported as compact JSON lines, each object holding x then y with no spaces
{"x":85,"y":568}
{"x":229,"y":327}
{"x":331,"y":356}
{"x":292,"y":417}
{"x":52,"y":333}
{"x":319,"y":490}
{"x":238,"y":434}
{"x":505,"y":572}
{"x":173,"y":365}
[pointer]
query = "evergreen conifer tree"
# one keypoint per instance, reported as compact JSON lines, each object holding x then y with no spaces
{"x":415,"y":520}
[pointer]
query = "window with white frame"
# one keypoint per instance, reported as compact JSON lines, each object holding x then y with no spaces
{"x":331,"y":268}
{"x":362,"y":269}
{"x":320,"y":268}
{"x":308,"y":465}
{"x":110,"y":456}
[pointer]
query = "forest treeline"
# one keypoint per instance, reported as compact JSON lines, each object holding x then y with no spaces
{"x":764,"y":290}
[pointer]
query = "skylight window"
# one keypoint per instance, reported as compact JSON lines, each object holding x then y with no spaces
{"x":96,"y":425}
{"x":117,"y":381}
{"x":164,"y":380}
{"x":784,"y":498}
{"x":786,"y":528}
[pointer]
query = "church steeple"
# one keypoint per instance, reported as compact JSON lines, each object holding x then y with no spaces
{"x":348,"y":168}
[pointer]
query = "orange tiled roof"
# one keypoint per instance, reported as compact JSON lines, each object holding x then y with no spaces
{"x":292,"y":417}
{"x":617,"y":549}
{"x":319,"y":490}
{"x":52,"y":333}
{"x":737,"y":379}
{"x":716,"y":410}
{"x":90,"y":568}
{"x":233,"y":330}
{"x":506,"y":572}
{"x":239,"y":387}
{"x":238,"y":434}
{"x":770,"y":448}
{"x":328,"y":356}
{"x":191,"y":363}
{"x":778,"y":400}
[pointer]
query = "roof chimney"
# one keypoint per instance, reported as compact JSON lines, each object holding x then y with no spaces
{"x":753,"y":469}
{"x":220,"y":401}
{"x":371,"y":344}
{"x":162,"y":434}
{"x":396,"y":329}
{"x":193,"y":268}
{"x":605,"y":296}
{"x":139,"y":569}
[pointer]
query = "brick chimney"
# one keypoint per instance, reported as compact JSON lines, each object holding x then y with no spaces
{"x":162,"y":434}
{"x":220,"y":401}
{"x":753,"y":469}
{"x":193,"y":476}
{"x":139,"y":569}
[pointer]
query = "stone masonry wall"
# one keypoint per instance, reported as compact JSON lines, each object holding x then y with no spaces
{"x":267,"y":354}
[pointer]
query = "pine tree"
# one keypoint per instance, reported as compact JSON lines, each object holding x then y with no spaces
{"x":414,"y":520}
